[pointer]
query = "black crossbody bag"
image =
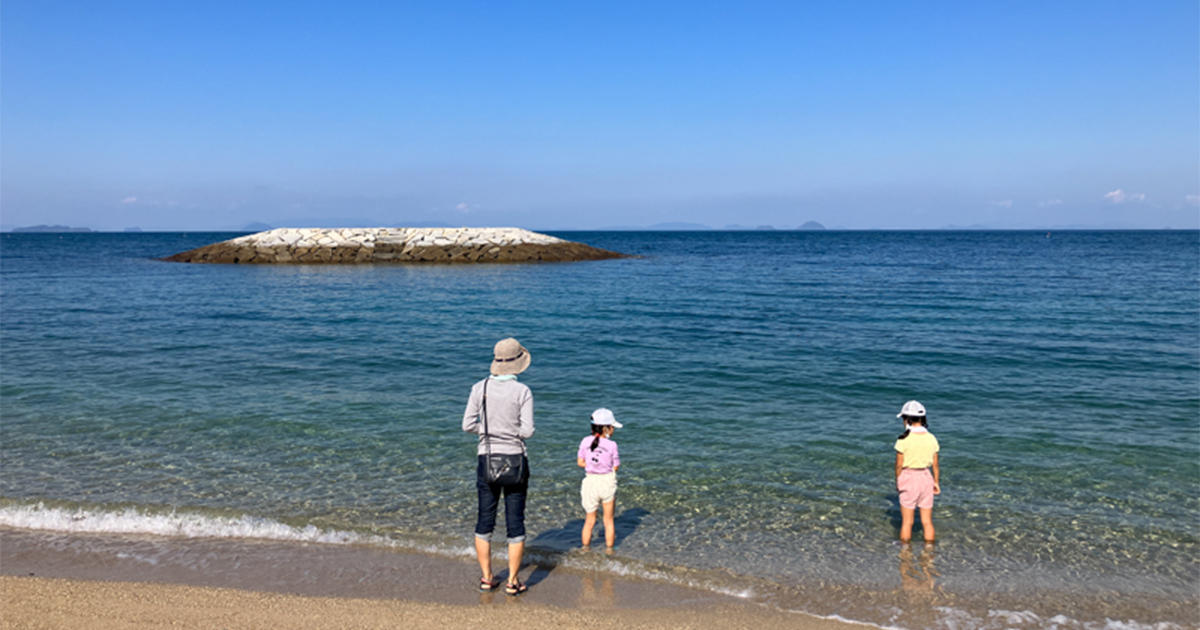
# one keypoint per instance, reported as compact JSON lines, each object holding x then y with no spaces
{"x":500,"y":468}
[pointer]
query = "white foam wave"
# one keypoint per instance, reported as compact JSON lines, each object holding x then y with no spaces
{"x":174,"y":523}
{"x":956,"y":619}
{"x":184,"y":524}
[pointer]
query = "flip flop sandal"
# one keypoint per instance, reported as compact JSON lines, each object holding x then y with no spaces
{"x":515,"y":588}
{"x":485,"y":585}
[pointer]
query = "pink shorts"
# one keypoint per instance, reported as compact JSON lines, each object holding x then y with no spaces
{"x":916,"y":488}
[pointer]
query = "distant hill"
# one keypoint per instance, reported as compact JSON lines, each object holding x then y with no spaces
{"x":51,"y":228}
{"x":811,"y":225}
{"x":678,"y":226}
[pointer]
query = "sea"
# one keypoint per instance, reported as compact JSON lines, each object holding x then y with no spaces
{"x":758,"y":375}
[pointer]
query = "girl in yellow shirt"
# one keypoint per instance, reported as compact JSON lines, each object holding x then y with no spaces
{"x":916,"y":456}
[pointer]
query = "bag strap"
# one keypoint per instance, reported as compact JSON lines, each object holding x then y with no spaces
{"x":487,"y":439}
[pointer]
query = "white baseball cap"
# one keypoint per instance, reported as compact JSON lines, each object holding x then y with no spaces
{"x":911,"y":408}
{"x":604,"y":417}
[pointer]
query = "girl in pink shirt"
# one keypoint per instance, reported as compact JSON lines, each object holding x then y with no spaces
{"x":599,"y":457}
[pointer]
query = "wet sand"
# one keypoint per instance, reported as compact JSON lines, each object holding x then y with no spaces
{"x":53,"y":580}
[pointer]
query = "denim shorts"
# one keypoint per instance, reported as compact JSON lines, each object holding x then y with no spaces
{"x":489,"y":500}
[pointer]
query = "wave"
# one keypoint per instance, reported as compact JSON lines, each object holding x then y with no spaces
{"x":173,"y":523}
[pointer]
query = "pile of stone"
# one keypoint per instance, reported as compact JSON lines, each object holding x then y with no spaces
{"x":393,"y":245}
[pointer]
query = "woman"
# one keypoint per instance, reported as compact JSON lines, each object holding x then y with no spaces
{"x":507,"y":406}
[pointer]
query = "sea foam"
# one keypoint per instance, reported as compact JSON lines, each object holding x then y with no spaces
{"x":172,"y":523}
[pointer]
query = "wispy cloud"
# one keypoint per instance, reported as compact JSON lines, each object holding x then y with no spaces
{"x":1004,"y":203}
{"x":129,"y":199}
{"x":1049,"y":203}
{"x":1192,"y":199}
{"x":1120,"y":196}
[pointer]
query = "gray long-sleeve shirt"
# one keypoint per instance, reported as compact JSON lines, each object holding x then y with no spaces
{"x":509,"y":415}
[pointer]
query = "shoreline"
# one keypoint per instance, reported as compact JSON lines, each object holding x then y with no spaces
{"x":321,"y":565}
{"x":53,"y":579}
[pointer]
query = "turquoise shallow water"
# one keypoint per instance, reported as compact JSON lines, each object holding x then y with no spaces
{"x":759,"y":374}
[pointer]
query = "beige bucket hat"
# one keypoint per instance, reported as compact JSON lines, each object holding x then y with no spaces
{"x":510,"y":357}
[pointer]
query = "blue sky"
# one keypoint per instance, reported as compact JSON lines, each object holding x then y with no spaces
{"x":211,"y":115}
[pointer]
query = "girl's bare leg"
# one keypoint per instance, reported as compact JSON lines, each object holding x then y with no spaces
{"x":926,"y":522}
{"x":588,"y":523}
{"x":610,"y":530}
{"x":906,"y":522}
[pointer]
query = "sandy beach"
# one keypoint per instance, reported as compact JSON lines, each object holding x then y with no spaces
{"x":53,"y":580}
{"x":58,"y":603}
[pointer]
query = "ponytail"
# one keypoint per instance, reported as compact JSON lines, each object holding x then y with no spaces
{"x":907,"y":420}
{"x":597,"y":430}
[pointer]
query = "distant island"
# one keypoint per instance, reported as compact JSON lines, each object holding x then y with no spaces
{"x":51,"y":228}
{"x":811,"y":225}
{"x":320,"y":246}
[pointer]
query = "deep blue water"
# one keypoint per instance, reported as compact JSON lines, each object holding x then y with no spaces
{"x":758,"y":375}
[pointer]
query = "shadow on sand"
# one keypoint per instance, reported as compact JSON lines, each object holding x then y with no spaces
{"x":546,"y":550}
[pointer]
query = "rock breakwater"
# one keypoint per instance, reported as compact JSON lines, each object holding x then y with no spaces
{"x":393,"y":245}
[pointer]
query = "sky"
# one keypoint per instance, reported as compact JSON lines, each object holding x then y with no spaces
{"x":170,"y":115}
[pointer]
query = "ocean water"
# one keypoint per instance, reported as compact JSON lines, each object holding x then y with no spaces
{"x":758,"y":375}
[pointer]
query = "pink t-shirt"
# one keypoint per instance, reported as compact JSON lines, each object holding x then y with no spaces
{"x":602,"y":460}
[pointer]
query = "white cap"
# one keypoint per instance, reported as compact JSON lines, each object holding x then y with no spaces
{"x":911,"y":408}
{"x":604,"y":417}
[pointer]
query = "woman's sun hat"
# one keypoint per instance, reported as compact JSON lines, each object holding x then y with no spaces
{"x":912,"y":408}
{"x":604,"y":417}
{"x":510,"y":357}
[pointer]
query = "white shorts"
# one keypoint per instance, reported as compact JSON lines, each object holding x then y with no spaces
{"x":597,"y":489}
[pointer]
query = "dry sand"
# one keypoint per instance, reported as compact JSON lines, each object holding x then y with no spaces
{"x":32,"y":602}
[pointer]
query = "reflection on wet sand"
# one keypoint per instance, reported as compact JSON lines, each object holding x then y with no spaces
{"x":596,"y":591}
{"x":918,"y":576}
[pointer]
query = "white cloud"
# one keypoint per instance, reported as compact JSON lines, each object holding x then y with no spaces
{"x":1006,"y":203}
{"x":130,"y":199}
{"x":1049,"y":203}
{"x":463,"y":207}
{"x":1192,"y":199}
{"x":1120,"y":196}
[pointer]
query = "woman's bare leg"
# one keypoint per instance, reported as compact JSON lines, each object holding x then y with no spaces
{"x":483,"y":551}
{"x":516,"y":550}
